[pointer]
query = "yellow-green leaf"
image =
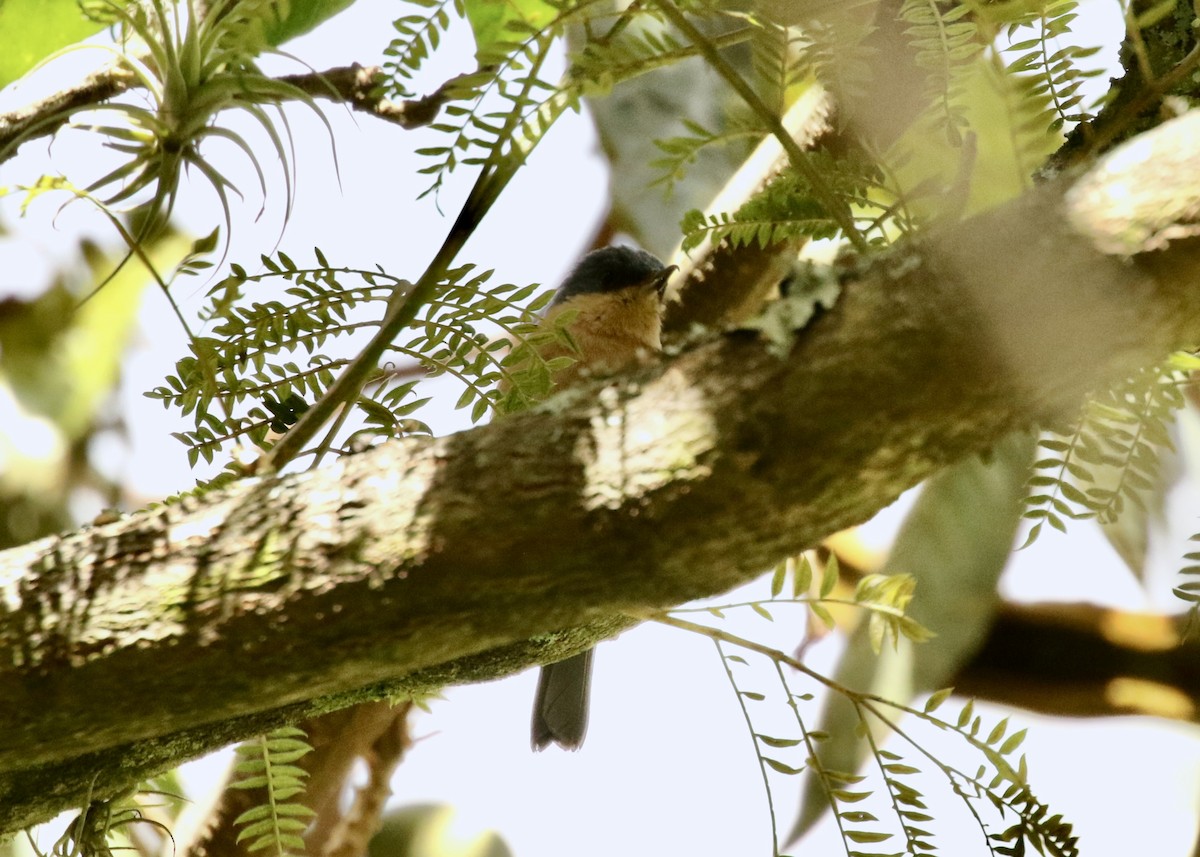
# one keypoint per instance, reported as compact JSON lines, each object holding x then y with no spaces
{"x":937,"y":698}
{"x":31,"y":30}
{"x":491,"y":21}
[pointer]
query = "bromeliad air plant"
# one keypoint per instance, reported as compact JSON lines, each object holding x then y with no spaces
{"x":194,"y":59}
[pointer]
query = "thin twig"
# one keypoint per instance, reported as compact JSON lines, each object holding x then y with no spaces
{"x":358,"y":86}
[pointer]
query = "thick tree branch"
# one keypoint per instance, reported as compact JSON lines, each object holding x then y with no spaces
{"x":43,"y":118}
{"x":1084,"y":660}
{"x":426,"y":561}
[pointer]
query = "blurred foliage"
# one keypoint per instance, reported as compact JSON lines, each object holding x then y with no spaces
{"x":33,"y":30}
{"x":492,"y":23}
{"x":432,"y":830}
{"x":60,"y":361}
{"x":294,"y":18}
{"x":955,"y":542}
{"x":683,"y":105}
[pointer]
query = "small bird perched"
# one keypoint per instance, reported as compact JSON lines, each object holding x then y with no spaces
{"x":617,"y":293}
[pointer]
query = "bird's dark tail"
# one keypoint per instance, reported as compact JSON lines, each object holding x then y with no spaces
{"x":560,"y":711}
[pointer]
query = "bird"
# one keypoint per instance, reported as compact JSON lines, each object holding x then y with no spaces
{"x":617,"y":295}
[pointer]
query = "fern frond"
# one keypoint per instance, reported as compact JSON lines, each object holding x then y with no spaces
{"x":788,"y":207}
{"x":268,"y":763}
{"x":775,"y":53}
{"x":1111,"y":457}
{"x":836,"y":52}
{"x":845,"y":792}
{"x":907,"y":801}
{"x":244,"y":380}
{"x":945,"y":40}
{"x":418,"y":36}
{"x":1056,"y":72}
{"x":1029,"y":122}
{"x":638,"y":42}
{"x":999,"y":781}
{"x":1189,"y":590}
{"x":496,"y":115}
{"x":680,"y":152}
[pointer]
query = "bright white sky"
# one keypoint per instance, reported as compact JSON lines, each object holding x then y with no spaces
{"x":667,"y":768}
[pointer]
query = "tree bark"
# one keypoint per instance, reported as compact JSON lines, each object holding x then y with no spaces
{"x":130,"y":646}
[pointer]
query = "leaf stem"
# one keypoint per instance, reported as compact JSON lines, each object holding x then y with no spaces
{"x":837,"y":209}
{"x":404,"y":304}
{"x":762,"y":767}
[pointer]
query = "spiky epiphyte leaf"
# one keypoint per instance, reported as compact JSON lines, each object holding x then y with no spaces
{"x":102,"y":826}
{"x":193,"y":60}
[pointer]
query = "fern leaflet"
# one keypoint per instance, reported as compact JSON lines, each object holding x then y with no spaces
{"x":1111,"y":457}
{"x":268,"y":763}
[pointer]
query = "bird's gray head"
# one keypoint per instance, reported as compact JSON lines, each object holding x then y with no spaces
{"x":612,"y":269}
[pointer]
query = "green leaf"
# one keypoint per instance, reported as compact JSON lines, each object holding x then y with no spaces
{"x":778,"y":742}
{"x":802,"y":579}
{"x":846,"y":796}
{"x":829,"y":577}
{"x":302,"y":16}
{"x":867,"y":836}
{"x":31,"y":30}
{"x":1013,"y":742}
{"x":824,"y":615}
{"x":491,"y":21}
{"x":964,"y":716}
{"x":776,"y":765}
{"x":778,"y":578}
{"x":937,"y":698}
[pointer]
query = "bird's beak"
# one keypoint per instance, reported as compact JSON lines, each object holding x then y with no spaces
{"x":659,"y":281}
